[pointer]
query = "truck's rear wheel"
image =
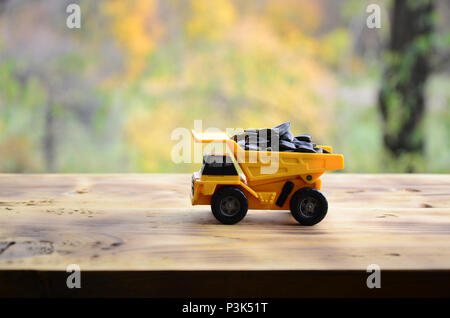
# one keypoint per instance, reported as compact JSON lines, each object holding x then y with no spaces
{"x":229,"y":205}
{"x":308,"y":206}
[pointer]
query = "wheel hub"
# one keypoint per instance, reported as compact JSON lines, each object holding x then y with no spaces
{"x":230,"y":205}
{"x":308,"y":206}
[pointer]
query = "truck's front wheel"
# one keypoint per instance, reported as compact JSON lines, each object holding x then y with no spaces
{"x":308,"y":206}
{"x":229,"y":205}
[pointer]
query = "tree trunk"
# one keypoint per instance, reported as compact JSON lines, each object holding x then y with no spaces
{"x":401,"y":97}
{"x":49,"y":139}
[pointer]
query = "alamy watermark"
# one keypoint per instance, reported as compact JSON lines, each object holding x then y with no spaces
{"x":373,"y":21}
{"x":74,"y":279}
{"x":73,"y":20}
{"x":187,"y":151}
{"x":374,"y":279}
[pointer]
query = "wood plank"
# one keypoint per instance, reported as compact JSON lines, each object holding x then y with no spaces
{"x":144,"y":222}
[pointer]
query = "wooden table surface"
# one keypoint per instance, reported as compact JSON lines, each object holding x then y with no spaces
{"x":142,"y":226}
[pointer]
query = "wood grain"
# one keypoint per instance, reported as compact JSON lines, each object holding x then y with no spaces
{"x":145,"y":222}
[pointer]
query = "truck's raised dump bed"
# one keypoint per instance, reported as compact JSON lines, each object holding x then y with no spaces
{"x":263,"y":165}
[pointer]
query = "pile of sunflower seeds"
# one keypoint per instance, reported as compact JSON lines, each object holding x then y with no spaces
{"x":278,"y":138}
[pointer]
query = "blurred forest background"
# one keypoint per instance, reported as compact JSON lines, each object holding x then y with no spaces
{"x":106,"y":97}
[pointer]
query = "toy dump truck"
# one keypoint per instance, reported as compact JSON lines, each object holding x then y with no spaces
{"x":237,"y":180}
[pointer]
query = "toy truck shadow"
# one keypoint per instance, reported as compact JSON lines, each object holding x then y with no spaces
{"x":234,"y":182}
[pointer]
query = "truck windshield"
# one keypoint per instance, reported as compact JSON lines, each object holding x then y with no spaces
{"x":218,"y":165}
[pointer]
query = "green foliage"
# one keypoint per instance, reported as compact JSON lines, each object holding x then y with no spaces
{"x":118,"y":87}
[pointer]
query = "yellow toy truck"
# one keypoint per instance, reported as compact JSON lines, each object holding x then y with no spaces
{"x":234,"y":181}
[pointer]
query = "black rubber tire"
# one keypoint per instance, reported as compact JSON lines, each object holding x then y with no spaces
{"x":314,"y":203}
{"x":240,"y":205}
